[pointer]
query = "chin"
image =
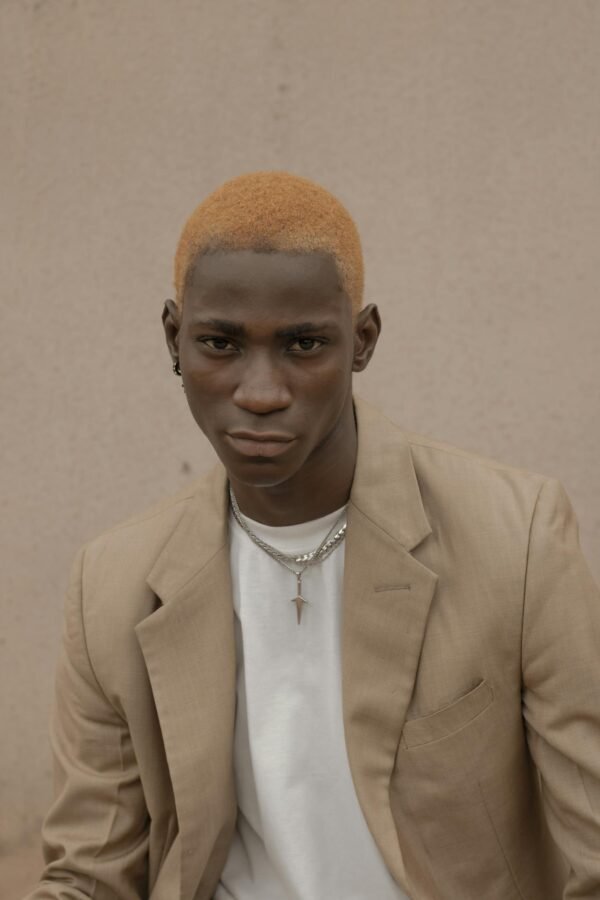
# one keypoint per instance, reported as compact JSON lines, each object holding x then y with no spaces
{"x":260,"y":475}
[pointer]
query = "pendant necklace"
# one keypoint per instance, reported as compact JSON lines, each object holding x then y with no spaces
{"x":295,"y":564}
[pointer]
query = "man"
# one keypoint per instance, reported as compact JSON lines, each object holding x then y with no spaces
{"x":353,"y":663}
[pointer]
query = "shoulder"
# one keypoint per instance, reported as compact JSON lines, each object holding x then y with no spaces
{"x":151,"y":524}
{"x":121,"y":557}
{"x":432,"y":455}
{"x":455,"y":484}
{"x":479,"y":492}
{"x":431,"y":452}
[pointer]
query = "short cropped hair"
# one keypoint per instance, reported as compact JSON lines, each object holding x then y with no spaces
{"x":270,"y":211}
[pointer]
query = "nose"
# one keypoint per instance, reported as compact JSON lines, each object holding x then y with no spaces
{"x":262,"y":388}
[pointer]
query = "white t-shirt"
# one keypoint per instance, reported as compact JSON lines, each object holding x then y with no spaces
{"x":300,"y":834}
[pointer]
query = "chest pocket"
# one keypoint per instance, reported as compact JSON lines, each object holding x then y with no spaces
{"x":448,"y":720}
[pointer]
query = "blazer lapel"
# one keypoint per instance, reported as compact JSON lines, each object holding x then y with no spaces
{"x":387,"y":595}
{"x":189,"y":649}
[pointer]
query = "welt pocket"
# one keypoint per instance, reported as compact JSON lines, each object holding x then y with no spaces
{"x":448,"y":720}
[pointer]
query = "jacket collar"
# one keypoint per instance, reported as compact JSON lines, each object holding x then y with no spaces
{"x":385,"y":487}
{"x":200,"y":534}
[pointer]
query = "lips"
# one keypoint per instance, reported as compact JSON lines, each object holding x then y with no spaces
{"x":266,"y":444}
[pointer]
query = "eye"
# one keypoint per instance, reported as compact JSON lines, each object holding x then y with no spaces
{"x":218,"y":344}
{"x":305,"y":344}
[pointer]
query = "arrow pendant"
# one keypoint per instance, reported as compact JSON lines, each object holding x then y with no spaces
{"x":299,"y":599}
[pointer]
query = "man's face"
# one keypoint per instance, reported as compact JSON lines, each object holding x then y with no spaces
{"x":266,"y":345}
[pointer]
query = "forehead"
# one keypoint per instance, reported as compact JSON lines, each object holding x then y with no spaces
{"x":250,"y":279}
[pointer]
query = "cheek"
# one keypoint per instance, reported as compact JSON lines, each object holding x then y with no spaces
{"x":331,"y":377}
{"x":209,"y":381}
{"x":328,"y":392}
{"x":337,"y":376}
{"x":205,"y":392}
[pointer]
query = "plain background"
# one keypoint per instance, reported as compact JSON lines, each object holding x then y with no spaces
{"x":464,"y":137}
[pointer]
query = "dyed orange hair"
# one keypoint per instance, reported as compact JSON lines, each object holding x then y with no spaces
{"x":268,"y":211}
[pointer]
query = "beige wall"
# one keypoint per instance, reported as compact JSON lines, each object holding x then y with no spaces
{"x":463,"y":136}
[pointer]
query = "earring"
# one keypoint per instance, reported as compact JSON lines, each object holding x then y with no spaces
{"x":176,"y":368}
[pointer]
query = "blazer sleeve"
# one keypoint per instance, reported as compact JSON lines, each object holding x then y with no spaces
{"x":561,"y":685}
{"x":96,"y":833}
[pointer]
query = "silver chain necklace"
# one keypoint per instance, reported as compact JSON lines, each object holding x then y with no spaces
{"x":296,"y":564}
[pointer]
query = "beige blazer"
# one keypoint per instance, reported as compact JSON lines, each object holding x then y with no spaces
{"x":471,"y":687}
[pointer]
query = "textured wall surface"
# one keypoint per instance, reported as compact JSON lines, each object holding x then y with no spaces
{"x":464,"y":136}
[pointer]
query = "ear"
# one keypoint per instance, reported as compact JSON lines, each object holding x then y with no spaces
{"x":367,"y":326}
{"x":171,"y":319}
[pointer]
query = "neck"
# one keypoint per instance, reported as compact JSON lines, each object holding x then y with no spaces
{"x":321,"y":486}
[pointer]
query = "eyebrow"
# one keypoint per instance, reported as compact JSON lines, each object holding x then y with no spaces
{"x":233,"y":329}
